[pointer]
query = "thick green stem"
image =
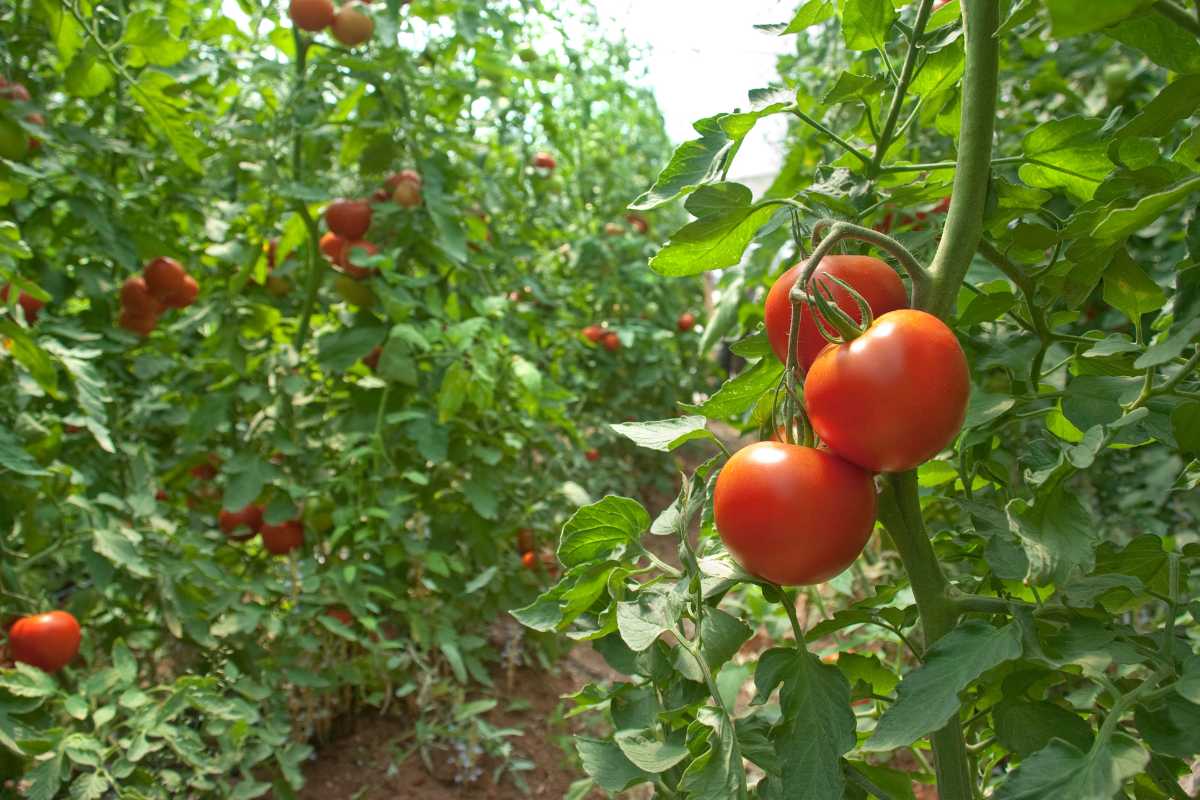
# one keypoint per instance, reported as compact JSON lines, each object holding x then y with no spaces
{"x":900,"y":513}
{"x":964,"y":222}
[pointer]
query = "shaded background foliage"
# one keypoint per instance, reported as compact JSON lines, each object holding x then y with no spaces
{"x":173,"y":129}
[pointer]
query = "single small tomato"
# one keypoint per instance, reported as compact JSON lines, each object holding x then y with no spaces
{"x":686,"y":321}
{"x":242,"y":525}
{"x":543,"y":160}
{"x":791,"y":514}
{"x":593,"y":333}
{"x":611,"y":341}
{"x":592,"y":455}
{"x":529,"y":560}
{"x":351,"y":25}
{"x":894,"y":397}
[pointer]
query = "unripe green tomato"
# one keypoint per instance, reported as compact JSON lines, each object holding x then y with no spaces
{"x":1116,"y":81}
{"x":13,"y":141}
{"x":354,"y":292}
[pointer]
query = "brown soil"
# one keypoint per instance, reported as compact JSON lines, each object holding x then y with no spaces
{"x":376,"y":760}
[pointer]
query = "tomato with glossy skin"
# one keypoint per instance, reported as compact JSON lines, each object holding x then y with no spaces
{"x":686,"y":321}
{"x":529,"y":560}
{"x":593,"y":333}
{"x":791,"y":514}
{"x":612,"y":342}
{"x":331,"y":245}
{"x":189,"y":290}
{"x":894,"y":397}
{"x":311,"y":15}
{"x":47,"y":641}
{"x":349,"y":219}
{"x":282,"y":539}
{"x":878,"y":283}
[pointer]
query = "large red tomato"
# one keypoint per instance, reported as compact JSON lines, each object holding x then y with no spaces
{"x":892,"y":398}
{"x":47,"y":641}
{"x":282,"y":539}
{"x":349,"y":219}
{"x":793,"y":515}
{"x":873,"y":279}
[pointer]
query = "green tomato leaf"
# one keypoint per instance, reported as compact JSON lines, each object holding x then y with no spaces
{"x":664,"y":435}
{"x":927,"y":697}
{"x":1073,"y":17}
{"x":1063,"y":770}
{"x":602,"y":529}
{"x":713,"y":242}
{"x":817,"y":725}
{"x":608,"y":766}
{"x":865,"y":23}
{"x":715,"y":773}
{"x":740,"y":392}
{"x":693,"y":163}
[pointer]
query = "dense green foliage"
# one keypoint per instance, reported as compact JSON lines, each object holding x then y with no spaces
{"x":1024,"y":626}
{"x":174,"y":130}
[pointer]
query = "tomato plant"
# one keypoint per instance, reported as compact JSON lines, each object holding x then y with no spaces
{"x":1021,"y":624}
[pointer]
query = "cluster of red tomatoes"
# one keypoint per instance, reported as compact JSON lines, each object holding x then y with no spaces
{"x":163,"y":284}
{"x":530,"y":559}
{"x":886,"y":401}
{"x":243,"y":525}
{"x":349,"y":24}
{"x":15,"y":143}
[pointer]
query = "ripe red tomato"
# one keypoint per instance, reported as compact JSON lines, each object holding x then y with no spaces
{"x":346,"y":253}
{"x":686,"y":321}
{"x":349,"y":219}
{"x":638,"y":222}
{"x":612,"y":342}
{"x":793,"y":515}
{"x":28,"y":303}
{"x":137,"y":299}
{"x":592,"y":455}
{"x":405,"y":188}
{"x":232,"y":522}
{"x":167,"y":281}
{"x":141,"y":324}
{"x":207,"y":470}
{"x":311,"y":15}
{"x":543,"y":160}
{"x":870,"y":277}
{"x":892,"y":398}
{"x":341,"y":614}
{"x":525,"y":541}
{"x":14,"y":91}
{"x":351,"y":26}
{"x":594,"y":333}
{"x":47,"y":641}
{"x":189,"y":290}
{"x":529,"y":560}
{"x":282,"y":539}
{"x":331,"y":245}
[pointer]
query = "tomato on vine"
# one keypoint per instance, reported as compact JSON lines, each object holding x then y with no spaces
{"x":892,"y":398}
{"x":282,"y":539}
{"x":686,"y":321}
{"x":793,"y":515}
{"x":311,"y":15}
{"x":47,"y":641}
{"x":878,"y":283}
{"x":349,"y":219}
